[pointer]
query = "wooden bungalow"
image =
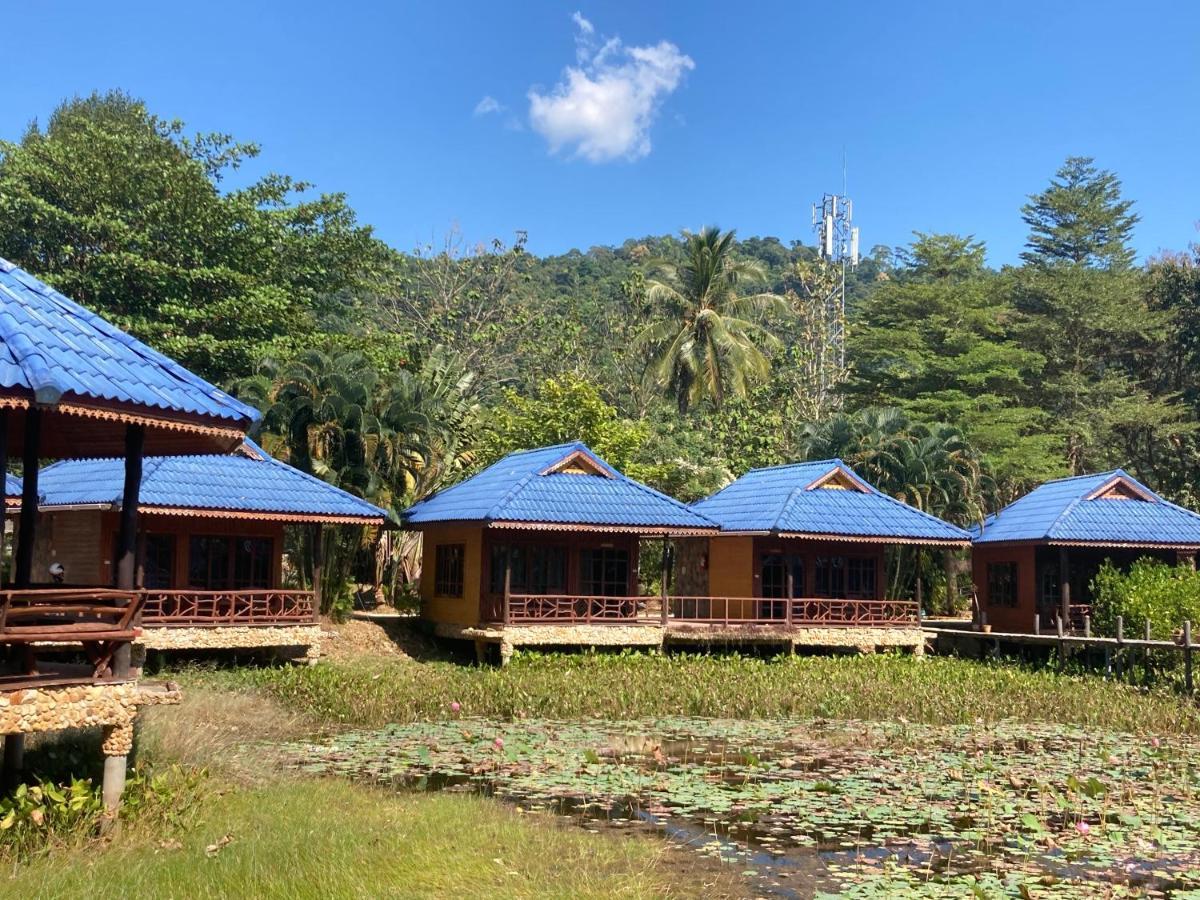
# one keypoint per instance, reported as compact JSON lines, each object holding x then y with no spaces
{"x":1033,"y":562}
{"x":802,"y":558}
{"x":542,"y":548}
{"x":210,"y":544}
{"x":73,"y":385}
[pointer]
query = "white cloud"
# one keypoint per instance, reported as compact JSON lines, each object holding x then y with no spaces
{"x":603,"y":107}
{"x":488,"y":105}
{"x":585,"y":26}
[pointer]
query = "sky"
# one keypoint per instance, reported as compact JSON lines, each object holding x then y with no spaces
{"x":587,"y":123}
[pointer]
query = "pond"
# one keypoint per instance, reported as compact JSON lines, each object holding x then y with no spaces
{"x":834,"y":808}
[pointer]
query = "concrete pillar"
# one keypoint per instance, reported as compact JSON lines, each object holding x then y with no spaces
{"x":14,"y":760}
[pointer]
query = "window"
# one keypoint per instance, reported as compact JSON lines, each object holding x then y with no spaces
{"x":604,"y":572}
{"x":1002,"y":584}
{"x":860,"y":577}
{"x":774,"y":576}
{"x":774,"y":572}
{"x":252,"y":563}
{"x":159,"y":563}
{"x":208,"y":563}
{"x":1051,"y":594}
{"x":534,"y":570}
{"x":831,"y":576}
{"x":448,"y":570}
{"x":222,"y":563}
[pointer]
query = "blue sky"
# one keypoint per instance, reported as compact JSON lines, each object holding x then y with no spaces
{"x":737,"y":114}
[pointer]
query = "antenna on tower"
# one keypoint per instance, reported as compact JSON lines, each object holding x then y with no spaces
{"x":837,"y":244}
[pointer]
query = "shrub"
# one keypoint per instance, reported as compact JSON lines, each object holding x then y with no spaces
{"x":1166,"y":595}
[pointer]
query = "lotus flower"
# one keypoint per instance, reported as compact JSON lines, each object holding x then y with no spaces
{"x":499,"y":743}
{"x":1083,"y":828}
{"x":455,"y":706}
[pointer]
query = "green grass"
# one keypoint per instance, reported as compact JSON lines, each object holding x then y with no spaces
{"x":327,"y":839}
{"x":630,"y":686}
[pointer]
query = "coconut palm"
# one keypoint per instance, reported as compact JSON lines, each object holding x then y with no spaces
{"x":712,"y":339}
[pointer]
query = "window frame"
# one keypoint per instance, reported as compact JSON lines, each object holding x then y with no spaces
{"x":449,"y":567}
{"x":1002,"y":592}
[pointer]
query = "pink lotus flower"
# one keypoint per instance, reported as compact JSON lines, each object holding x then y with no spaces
{"x":1112,"y":760}
{"x":1155,"y":743}
{"x":499,"y":742}
{"x":1083,"y":828}
{"x":455,"y":706}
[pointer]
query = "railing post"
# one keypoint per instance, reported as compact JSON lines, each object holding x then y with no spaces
{"x":1087,"y":625}
{"x":1187,"y":656}
{"x":1037,"y":623}
{"x":664,"y":573}
{"x":507,"y":584}
{"x":1062,"y":647}
{"x":1064,"y":581}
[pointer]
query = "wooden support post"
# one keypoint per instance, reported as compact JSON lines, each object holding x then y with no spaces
{"x":3,"y":471}
{"x":1120,"y":648}
{"x":127,"y":534}
{"x":1187,"y":657}
{"x":1087,"y":626}
{"x":1146,"y":656}
{"x":1064,"y":582}
{"x":1037,"y":623}
{"x":14,"y":760}
{"x":791,"y":590}
{"x":1062,"y":647}
{"x":666,"y":572}
{"x":27,"y":529}
{"x":318,"y":574}
{"x":504,"y":613}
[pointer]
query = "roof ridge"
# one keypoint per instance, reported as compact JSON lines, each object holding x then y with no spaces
{"x":796,"y":491}
{"x":792,"y":465}
{"x":515,"y":489}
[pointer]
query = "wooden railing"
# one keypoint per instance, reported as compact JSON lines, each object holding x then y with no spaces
{"x":100,"y":619}
{"x":534,"y":609}
{"x":190,"y":608}
{"x":805,"y":611}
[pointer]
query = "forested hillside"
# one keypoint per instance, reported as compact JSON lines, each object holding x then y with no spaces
{"x":683,"y":358}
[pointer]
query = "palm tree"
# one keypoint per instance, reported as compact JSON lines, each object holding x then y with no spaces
{"x":712,"y":339}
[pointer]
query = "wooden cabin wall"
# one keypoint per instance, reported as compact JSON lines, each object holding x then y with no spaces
{"x":72,"y":538}
{"x":462,"y":610}
{"x":1019,"y":618}
{"x":183,"y":528}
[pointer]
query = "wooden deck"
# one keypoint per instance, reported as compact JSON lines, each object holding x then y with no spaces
{"x":722,"y":612}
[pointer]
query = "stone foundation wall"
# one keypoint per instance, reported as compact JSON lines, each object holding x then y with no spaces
{"x":866,"y":639}
{"x":233,"y":637}
{"x":557,"y":635}
{"x":111,"y":706}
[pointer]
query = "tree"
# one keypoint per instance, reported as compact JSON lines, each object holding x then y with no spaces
{"x":122,"y":212}
{"x":1080,"y":219}
{"x":561,"y":410}
{"x":463,"y":298}
{"x":942,"y":341}
{"x":393,"y":443}
{"x":707,"y":342}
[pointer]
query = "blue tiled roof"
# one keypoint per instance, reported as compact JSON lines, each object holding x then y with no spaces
{"x":785,"y":500}
{"x":12,"y":485}
{"x":53,"y":347}
{"x":518,"y":488}
{"x":236,"y":482}
{"x":1061,"y":511}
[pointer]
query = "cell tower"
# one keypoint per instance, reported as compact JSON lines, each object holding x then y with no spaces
{"x":837,"y":243}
